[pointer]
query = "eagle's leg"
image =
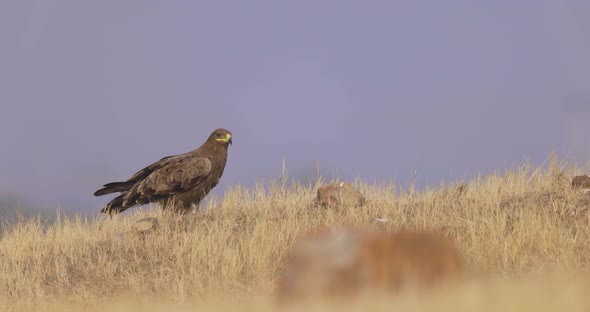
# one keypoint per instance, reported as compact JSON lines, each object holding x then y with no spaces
{"x":184,"y":218}
{"x":170,"y":212}
{"x":195,"y":208}
{"x":183,"y":215}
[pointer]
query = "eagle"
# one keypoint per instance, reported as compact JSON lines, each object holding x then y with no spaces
{"x":175,"y":182}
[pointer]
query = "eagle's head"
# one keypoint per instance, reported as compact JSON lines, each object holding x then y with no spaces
{"x":221,"y":136}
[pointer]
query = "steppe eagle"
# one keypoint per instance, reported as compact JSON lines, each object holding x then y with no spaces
{"x":175,"y":182}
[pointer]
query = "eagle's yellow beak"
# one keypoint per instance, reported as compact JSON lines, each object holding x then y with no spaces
{"x":227,"y":139}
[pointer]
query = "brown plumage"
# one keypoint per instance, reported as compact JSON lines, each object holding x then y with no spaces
{"x":175,"y":182}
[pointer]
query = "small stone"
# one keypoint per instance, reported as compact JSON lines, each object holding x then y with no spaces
{"x":145,"y":225}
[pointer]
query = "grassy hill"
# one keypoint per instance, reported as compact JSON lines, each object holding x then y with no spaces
{"x":524,"y":235}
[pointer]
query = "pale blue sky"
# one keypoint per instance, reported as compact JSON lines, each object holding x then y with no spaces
{"x":92,"y":91}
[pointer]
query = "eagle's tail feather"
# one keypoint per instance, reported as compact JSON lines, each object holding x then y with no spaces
{"x":114,"y":187}
{"x":115,"y":206}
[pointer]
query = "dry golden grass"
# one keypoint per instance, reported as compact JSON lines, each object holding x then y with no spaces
{"x":511,"y":230}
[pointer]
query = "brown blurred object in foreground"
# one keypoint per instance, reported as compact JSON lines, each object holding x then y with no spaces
{"x":347,"y":262}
